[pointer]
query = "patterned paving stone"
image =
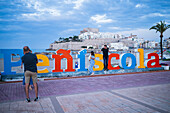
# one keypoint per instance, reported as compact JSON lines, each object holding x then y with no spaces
{"x":99,"y":102}
{"x":44,"y":105}
{"x":132,"y":93}
{"x":15,"y":91}
{"x":157,"y":96}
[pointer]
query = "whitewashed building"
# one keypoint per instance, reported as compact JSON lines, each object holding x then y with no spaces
{"x":152,"y":44}
{"x":118,"y":46}
{"x":93,"y":33}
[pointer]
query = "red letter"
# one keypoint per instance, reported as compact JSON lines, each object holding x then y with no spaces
{"x":58,"y":57}
{"x":156,"y":60}
{"x":110,"y":67}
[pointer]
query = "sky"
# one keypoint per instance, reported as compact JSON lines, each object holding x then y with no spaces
{"x":38,"y":23}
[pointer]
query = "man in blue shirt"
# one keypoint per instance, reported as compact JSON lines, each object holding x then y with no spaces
{"x":30,"y":70}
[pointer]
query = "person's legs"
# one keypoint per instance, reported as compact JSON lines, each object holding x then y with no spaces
{"x":106,"y":63}
{"x":36,"y":89}
{"x":27,"y":80}
{"x":92,"y":65}
{"x":31,"y":84}
{"x":34,"y":79}
{"x":27,"y":90}
{"x":90,"y":68}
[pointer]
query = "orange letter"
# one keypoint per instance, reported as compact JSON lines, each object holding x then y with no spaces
{"x":99,"y":63}
{"x":110,"y":67}
{"x":156,"y":60}
{"x":58,"y":57}
{"x":45,"y":62}
{"x":141,"y":58}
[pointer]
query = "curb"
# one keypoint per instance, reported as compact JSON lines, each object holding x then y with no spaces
{"x":45,"y":79}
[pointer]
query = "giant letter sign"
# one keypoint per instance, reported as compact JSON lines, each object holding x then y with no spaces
{"x":110,"y":67}
{"x":123,"y":61}
{"x":58,"y":57}
{"x":7,"y":60}
{"x":99,"y":63}
{"x":65,"y":54}
{"x":141,"y":58}
{"x":156,"y":60}
{"x":45,"y":62}
{"x":81,"y":55}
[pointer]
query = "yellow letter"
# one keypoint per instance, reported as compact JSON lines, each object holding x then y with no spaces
{"x":45,"y":62}
{"x":99,"y":63}
{"x":141,"y":58}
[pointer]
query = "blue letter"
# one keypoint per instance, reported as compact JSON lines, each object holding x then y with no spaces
{"x":81,"y":55}
{"x":132,"y":63}
{"x":7,"y":60}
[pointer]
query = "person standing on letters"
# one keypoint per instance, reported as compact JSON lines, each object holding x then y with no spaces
{"x":30,"y":70}
{"x":105,"y":51}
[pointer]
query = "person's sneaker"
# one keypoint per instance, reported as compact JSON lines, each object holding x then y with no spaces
{"x":28,"y":100}
{"x":36,"y":99}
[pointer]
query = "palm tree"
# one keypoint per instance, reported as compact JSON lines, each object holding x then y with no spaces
{"x":160,"y":27}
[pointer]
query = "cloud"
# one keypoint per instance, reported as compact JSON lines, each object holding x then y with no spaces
{"x":101,"y":19}
{"x":114,"y":28}
{"x":68,"y":32}
{"x":68,"y":1}
{"x":11,"y":28}
{"x":139,"y":5}
{"x":168,"y":23}
{"x":77,"y":3}
{"x":7,"y":20}
{"x":153,"y":15}
{"x":118,"y":28}
{"x":49,"y":10}
{"x":70,"y":13}
{"x":99,"y":26}
{"x":127,"y":1}
{"x":40,"y":11}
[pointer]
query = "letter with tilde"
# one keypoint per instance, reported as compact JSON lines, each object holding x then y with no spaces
{"x":61,"y":53}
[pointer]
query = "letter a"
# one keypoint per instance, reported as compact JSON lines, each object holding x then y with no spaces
{"x":156,"y":60}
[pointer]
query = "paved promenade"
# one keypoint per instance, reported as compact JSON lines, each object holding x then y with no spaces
{"x":131,"y":93}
